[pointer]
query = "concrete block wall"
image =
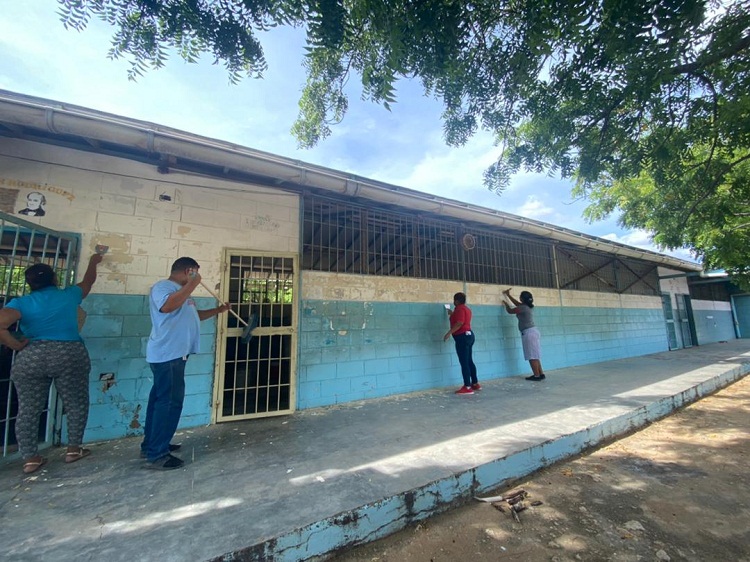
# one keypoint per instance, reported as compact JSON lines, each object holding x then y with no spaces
{"x":365,"y":337}
{"x":148,"y":220}
{"x":360,"y":336}
{"x":116,"y":332}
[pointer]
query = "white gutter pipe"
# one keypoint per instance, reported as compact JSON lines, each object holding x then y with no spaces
{"x":38,"y":113}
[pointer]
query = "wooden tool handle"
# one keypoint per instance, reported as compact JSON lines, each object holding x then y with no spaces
{"x":218,"y":298}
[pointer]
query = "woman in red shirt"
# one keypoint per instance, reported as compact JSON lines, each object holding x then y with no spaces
{"x":460,"y":319}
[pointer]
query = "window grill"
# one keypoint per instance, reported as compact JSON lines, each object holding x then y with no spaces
{"x":505,"y":259}
{"x":348,"y":237}
{"x":711,"y":291}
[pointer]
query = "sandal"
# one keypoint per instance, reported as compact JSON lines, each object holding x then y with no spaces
{"x":33,"y":466}
{"x":73,"y":456}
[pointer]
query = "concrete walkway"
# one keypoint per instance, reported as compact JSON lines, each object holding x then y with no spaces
{"x":298,"y":487}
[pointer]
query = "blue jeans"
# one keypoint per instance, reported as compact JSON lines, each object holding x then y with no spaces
{"x":464,"y":343}
{"x":164,"y":407}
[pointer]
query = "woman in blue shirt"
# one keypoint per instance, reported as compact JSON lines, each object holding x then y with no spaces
{"x":51,"y":350}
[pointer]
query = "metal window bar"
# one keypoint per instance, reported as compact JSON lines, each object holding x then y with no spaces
{"x":348,"y":237}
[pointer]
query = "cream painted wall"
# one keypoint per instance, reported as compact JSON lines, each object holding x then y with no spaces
{"x":147,"y":219}
{"x":318,"y":285}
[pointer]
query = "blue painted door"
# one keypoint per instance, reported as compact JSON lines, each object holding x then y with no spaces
{"x":742,"y":315}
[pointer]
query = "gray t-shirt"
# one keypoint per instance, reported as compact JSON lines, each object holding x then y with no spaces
{"x":525,"y":317}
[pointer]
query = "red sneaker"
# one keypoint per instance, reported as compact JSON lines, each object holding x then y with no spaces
{"x":465,"y":390}
{"x":476,"y":386}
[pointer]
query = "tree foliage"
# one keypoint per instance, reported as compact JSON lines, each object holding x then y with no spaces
{"x":645,"y":103}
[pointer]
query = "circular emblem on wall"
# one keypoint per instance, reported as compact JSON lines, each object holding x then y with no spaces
{"x":468,"y":241}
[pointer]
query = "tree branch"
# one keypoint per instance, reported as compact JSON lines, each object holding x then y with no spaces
{"x":712,"y":58}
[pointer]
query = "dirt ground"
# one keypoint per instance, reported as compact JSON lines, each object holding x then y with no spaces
{"x":676,"y":490}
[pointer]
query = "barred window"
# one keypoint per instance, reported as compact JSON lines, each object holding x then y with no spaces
{"x":365,"y":238}
{"x":709,"y":291}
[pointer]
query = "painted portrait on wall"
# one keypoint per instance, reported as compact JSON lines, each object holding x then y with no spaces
{"x":35,"y":202}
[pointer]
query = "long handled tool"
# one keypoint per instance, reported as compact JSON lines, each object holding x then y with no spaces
{"x":247,"y":333}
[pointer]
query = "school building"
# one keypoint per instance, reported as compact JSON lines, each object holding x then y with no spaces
{"x":347,"y":275}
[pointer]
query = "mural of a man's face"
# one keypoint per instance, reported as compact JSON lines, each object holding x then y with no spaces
{"x":34,"y":200}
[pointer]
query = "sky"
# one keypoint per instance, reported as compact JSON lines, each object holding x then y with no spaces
{"x":403,"y":146}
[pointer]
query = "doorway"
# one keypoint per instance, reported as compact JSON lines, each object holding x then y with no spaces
{"x":685,"y":320}
{"x":666,"y":304}
{"x":257,"y":378}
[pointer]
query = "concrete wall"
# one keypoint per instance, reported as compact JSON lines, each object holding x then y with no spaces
{"x":364,"y":336}
{"x":148,"y":220}
{"x":360,"y":336}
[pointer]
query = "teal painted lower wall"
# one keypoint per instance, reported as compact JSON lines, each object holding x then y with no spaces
{"x":354,"y":351}
{"x":351,"y":351}
{"x":116,"y":332}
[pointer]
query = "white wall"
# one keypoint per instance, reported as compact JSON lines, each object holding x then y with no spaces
{"x":147,"y":219}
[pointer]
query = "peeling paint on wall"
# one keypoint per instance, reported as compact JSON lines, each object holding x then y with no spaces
{"x":134,"y":423}
{"x":117,"y":243}
{"x":107,"y":380}
{"x":338,"y":320}
{"x":119,"y":278}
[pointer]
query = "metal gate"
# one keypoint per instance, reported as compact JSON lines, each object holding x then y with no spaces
{"x":22,"y":244}
{"x":666,"y":304}
{"x":257,"y":378}
{"x":741,"y":312}
{"x":685,"y":317}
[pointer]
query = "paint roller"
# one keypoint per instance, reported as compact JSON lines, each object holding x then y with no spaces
{"x":247,"y":333}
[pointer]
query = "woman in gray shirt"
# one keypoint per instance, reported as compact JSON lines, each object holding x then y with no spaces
{"x":530,"y":336}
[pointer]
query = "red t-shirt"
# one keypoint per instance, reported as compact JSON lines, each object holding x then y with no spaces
{"x":462,"y":313}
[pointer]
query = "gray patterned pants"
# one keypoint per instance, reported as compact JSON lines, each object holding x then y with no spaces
{"x":35,"y":367}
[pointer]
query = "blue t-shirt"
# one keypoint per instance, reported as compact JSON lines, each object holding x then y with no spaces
{"x":173,"y":334}
{"x":50,"y":313}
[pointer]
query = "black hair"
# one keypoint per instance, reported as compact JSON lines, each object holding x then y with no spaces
{"x":460,"y":297}
{"x":527,"y":299}
{"x":40,"y":276}
{"x":181,"y":264}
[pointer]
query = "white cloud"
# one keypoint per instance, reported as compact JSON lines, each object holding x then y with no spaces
{"x":643,"y":239}
{"x":533,"y":208}
{"x":439,"y":169}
